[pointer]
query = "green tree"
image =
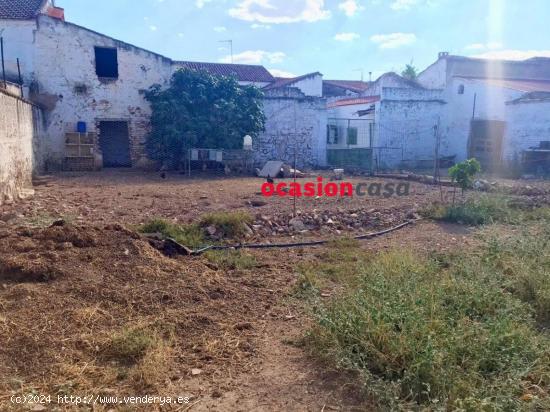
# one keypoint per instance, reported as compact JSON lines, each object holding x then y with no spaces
{"x":463,"y":173}
{"x":410,"y":72}
{"x":202,"y":111}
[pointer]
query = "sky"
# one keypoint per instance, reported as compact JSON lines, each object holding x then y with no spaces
{"x":343,"y":39}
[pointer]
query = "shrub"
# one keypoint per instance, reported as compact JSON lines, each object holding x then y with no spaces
{"x":463,"y":173}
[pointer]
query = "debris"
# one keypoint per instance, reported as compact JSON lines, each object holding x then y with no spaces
{"x":58,"y":223}
{"x":196,"y":371}
{"x":297,"y":224}
{"x":257,"y":203}
{"x":271,"y":168}
{"x":211,"y":230}
{"x":338,"y":174}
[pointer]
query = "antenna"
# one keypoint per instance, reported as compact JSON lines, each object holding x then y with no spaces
{"x":370,"y":77}
{"x":362,"y":71}
{"x":230,"y":42}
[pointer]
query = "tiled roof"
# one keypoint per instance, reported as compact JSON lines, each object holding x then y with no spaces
{"x":532,"y":97}
{"x":519,"y":85}
{"x":353,"y":85}
{"x":285,"y":82}
{"x":243,"y":72}
{"x":20,"y":9}
{"x":352,"y":102}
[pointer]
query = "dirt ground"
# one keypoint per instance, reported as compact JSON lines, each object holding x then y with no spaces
{"x":226,"y":338}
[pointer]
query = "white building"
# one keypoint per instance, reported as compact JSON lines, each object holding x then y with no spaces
{"x":496,"y":109}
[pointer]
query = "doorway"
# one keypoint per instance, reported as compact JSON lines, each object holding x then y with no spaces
{"x":486,"y":139}
{"x":114,"y":141}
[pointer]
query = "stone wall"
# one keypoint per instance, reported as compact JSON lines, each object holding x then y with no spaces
{"x":20,"y":124}
{"x":295,"y":127}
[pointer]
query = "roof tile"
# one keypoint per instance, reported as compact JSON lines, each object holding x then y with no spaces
{"x":20,"y":9}
{"x":243,"y":72}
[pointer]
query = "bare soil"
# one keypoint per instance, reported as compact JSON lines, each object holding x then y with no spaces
{"x":228,"y":339}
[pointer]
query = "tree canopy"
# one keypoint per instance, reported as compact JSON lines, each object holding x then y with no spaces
{"x":199,"y":110}
{"x":410,"y":72}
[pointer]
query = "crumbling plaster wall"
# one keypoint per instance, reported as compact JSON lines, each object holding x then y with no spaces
{"x":295,"y":124}
{"x":19,"y":129}
{"x":528,"y":125}
{"x":405,"y":120}
{"x":69,"y":88}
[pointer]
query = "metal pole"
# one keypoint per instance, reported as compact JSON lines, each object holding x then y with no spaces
{"x":3,"y":67}
{"x":20,"y":78}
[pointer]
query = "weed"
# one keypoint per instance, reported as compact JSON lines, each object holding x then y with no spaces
{"x":453,"y":333}
{"x":482,"y":210}
{"x":232,"y":259}
{"x":188,"y":235}
{"x":229,"y":224}
{"x":130,"y":345}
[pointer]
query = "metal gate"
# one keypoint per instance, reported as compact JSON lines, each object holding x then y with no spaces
{"x":114,"y":141}
{"x":485,"y":144}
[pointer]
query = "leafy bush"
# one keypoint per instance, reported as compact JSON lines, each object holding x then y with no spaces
{"x":443,"y":336}
{"x":229,"y":224}
{"x":201,"y":110}
{"x":188,"y":235}
{"x":463,"y":173}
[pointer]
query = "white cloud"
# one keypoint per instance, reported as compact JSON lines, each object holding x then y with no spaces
{"x":256,"y":26}
{"x":350,"y":7}
{"x":220,"y":29}
{"x":255,"y":57}
{"x":181,"y":35}
{"x":346,"y":36}
{"x":282,"y":73}
{"x":510,"y":54}
{"x":280,"y":11}
{"x":484,"y":46}
{"x":153,"y":28}
{"x":393,"y":40}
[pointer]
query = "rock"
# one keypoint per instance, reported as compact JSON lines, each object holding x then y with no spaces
{"x":196,"y":372}
{"x":297,"y":224}
{"x":211,"y":230}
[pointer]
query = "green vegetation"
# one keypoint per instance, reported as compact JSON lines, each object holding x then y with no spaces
{"x":463,"y":173}
{"x":201,"y":110}
{"x":228,"y":224}
{"x":232,"y":259}
{"x":130,"y":345}
{"x":481,"y":210}
{"x":188,"y":235}
{"x":461,"y":331}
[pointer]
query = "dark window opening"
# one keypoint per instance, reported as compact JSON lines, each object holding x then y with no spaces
{"x":461,"y":89}
{"x":352,"y":136}
{"x":106,"y":62}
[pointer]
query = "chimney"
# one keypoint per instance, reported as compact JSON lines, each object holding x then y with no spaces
{"x":56,"y":12}
{"x":442,"y":55}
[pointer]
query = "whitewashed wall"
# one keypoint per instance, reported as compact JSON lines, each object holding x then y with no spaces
{"x":294,"y":125}
{"x":310,"y":86}
{"x":528,"y":125}
{"x":19,"y":127}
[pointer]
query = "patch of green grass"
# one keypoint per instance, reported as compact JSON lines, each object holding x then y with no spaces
{"x":229,"y":224}
{"x":458,"y":332}
{"x":130,"y":345}
{"x":188,"y":235}
{"x":232,"y":259}
{"x":482,"y":210}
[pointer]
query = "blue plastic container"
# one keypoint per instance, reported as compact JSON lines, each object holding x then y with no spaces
{"x":81,"y":127}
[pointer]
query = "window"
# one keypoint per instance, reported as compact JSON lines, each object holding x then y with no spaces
{"x":106,"y":62}
{"x":461,"y":89}
{"x":352,"y":136}
{"x":332,"y":134}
